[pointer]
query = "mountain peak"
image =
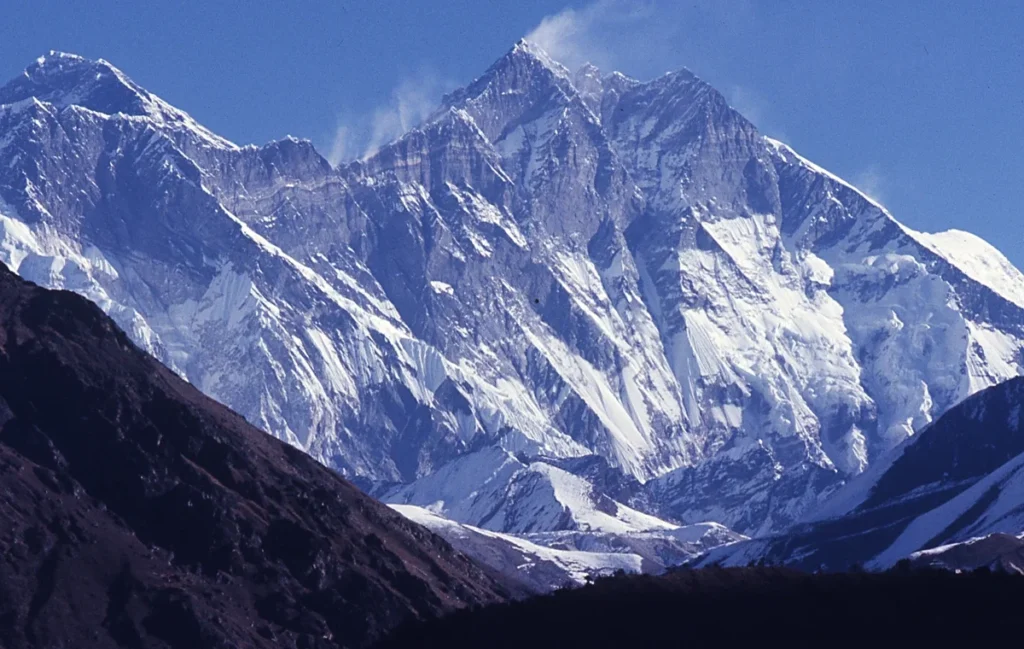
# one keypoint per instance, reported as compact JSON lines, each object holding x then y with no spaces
{"x":59,"y":55}
{"x":530,"y":51}
{"x":62,"y":79}
{"x":65,"y":79}
{"x":525,"y":47}
{"x":524,"y":76}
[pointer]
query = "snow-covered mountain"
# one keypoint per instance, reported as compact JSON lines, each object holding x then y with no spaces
{"x":538,"y":567}
{"x":958,"y":481}
{"x":616,"y":296}
{"x":495,"y":491}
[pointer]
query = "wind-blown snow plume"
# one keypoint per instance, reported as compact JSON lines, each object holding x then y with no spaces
{"x":340,"y":146}
{"x":752,"y":105}
{"x":872,"y":182}
{"x":410,"y":102}
{"x":625,"y":35}
{"x":574,"y":36}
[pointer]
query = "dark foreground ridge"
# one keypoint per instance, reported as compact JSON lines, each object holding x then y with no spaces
{"x":742,"y":607}
{"x":135,"y":512}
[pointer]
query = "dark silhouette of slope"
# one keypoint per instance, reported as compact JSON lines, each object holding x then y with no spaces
{"x":742,"y":607}
{"x":136,"y":512}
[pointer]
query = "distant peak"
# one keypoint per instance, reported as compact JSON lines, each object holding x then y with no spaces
{"x":290,"y":144}
{"x":62,"y":79}
{"x":296,"y":152}
{"x":293,"y":140}
{"x":523,"y":45}
{"x":55,"y":61}
{"x":526,"y":64}
{"x":59,"y":56}
{"x":621,"y":77}
{"x":525,"y":56}
{"x":65,"y":79}
{"x":682,"y":74}
{"x":529,"y":49}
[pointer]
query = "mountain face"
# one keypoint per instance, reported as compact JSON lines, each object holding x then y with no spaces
{"x":136,"y":512}
{"x":573,"y":273}
{"x":947,"y":496}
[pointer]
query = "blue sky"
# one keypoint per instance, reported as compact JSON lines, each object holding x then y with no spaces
{"x":919,"y":102}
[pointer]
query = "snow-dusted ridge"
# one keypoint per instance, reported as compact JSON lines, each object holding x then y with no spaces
{"x":971,"y":254}
{"x":544,"y":561}
{"x":493,"y":490}
{"x":540,"y":567}
{"x":653,"y":315}
{"x":957,"y":484}
{"x":786,"y":150}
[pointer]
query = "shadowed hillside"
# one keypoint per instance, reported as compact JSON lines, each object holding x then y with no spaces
{"x":136,"y":512}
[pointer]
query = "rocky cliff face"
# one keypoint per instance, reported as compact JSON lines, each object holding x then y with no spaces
{"x":556,"y":266}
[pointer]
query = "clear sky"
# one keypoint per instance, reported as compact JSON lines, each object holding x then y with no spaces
{"x":920,"y":102}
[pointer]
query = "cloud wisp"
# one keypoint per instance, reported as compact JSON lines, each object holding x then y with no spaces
{"x":577,"y":36}
{"x":636,"y":36}
{"x":872,"y":182}
{"x":360,"y":135}
{"x":755,"y":108}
